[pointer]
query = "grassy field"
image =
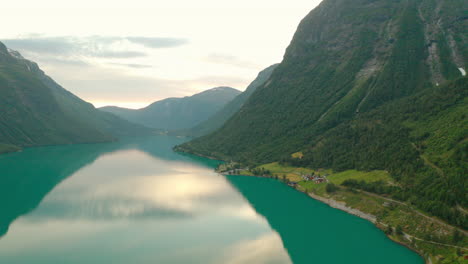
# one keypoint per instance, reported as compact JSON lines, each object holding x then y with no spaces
{"x":339,"y":178}
{"x":294,"y":174}
{"x":291,"y":173}
{"x":371,"y":176}
{"x":297,"y":155}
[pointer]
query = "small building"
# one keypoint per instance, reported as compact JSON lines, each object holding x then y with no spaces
{"x":319,"y":180}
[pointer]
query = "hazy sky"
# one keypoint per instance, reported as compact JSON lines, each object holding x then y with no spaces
{"x":131,"y":53}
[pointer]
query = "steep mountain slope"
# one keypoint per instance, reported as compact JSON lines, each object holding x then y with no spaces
{"x":178,"y":113}
{"x":87,"y":113}
{"x":421,"y":140}
{"x":347,"y":57}
{"x":218,"y":119}
{"x":351,"y":66}
{"x":37,"y":111}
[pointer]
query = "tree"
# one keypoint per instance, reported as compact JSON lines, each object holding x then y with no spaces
{"x":457,"y":236}
{"x":389,"y":230}
{"x":399,"y":230}
{"x":331,"y":188}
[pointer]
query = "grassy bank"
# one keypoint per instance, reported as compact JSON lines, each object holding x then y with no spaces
{"x":431,"y":237}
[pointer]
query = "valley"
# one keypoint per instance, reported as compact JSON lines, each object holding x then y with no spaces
{"x":351,"y":148}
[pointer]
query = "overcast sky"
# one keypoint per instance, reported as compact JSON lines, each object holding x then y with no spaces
{"x":131,"y":53}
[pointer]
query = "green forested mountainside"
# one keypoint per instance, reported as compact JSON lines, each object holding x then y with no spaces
{"x":87,"y":113}
{"x":34,"y":110}
{"x":217,"y":120}
{"x":178,"y":113}
{"x":421,"y":140}
{"x":347,"y":59}
{"x":338,"y":66}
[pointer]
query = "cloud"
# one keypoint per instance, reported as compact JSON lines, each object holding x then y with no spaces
{"x":157,"y":43}
{"x":65,"y":61}
{"x":133,"y":65}
{"x":120,"y":54}
{"x":92,"y":46}
{"x":52,"y":45}
{"x":114,"y":208}
{"x":97,"y":47}
{"x":267,"y":248}
{"x":229,"y":60}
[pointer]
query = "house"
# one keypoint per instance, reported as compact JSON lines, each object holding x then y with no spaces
{"x":318,"y":180}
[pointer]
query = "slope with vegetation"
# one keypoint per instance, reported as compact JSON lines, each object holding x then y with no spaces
{"x":366,"y":85}
{"x":420,"y":140}
{"x":365,"y":64}
{"x":217,"y":120}
{"x":34,"y":110}
{"x":337,"y":67}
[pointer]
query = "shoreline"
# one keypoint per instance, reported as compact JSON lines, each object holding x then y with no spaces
{"x":416,"y":243}
{"x":342,"y":206}
{"x":369,"y":217}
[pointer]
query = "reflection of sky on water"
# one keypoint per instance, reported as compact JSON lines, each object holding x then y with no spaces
{"x":264,"y":249}
{"x":137,"y":185}
{"x":130,"y":207}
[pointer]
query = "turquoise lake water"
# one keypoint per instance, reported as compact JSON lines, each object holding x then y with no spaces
{"x":138,"y":202}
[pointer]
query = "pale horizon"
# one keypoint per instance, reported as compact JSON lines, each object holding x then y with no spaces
{"x":131,"y":55}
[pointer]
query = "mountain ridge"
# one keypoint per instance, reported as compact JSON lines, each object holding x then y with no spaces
{"x":38,"y":111}
{"x":178,"y":113}
{"x":220,"y":117}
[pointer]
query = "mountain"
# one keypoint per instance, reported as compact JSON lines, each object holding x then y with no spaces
{"x":366,"y":84}
{"x":178,"y":113}
{"x":218,"y":119}
{"x":35,"y":110}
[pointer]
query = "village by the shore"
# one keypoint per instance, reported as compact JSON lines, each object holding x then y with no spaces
{"x":321,"y":178}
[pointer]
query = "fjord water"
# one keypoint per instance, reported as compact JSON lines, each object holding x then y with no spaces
{"x":137,"y":201}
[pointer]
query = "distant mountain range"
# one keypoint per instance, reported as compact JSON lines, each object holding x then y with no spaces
{"x":35,"y":110}
{"x":219,"y":118}
{"x":178,"y":113}
{"x":366,"y":84}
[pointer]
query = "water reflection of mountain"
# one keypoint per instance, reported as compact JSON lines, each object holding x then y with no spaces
{"x":312,"y":232}
{"x":27,"y":177}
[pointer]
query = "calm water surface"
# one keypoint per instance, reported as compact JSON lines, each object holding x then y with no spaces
{"x":138,"y":202}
